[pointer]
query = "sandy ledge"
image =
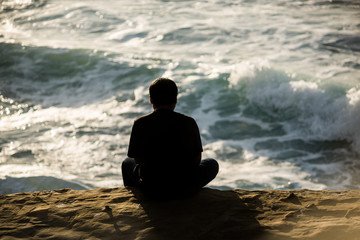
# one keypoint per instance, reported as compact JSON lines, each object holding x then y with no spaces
{"x":123,"y":213}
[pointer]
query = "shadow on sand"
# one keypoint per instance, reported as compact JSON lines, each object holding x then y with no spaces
{"x":211,"y":214}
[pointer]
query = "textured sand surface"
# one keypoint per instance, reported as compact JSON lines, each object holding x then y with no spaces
{"x":123,"y":213}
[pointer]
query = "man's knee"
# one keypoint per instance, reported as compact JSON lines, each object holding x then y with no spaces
{"x":128,"y":163}
{"x":211,"y":164}
{"x":127,"y":168}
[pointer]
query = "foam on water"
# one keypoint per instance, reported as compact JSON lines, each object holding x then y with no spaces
{"x":310,"y":108}
{"x":281,"y":118}
{"x":274,"y":87}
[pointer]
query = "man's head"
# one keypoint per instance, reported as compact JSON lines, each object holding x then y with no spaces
{"x":163,"y":92}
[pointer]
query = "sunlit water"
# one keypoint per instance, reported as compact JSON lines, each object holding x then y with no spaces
{"x":273,"y":85}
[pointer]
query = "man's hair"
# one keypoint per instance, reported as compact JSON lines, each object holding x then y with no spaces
{"x":163,"y":91}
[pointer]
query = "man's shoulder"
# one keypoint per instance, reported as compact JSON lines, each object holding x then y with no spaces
{"x":144,"y":120}
{"x":184,"y":116}
{"x":185,"y":120}
{"x":143,"y":117}
{"x":155,"y":116}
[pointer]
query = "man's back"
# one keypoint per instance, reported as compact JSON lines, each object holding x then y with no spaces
{"x":167,"y":143}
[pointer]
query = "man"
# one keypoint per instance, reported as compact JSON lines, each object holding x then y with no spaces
{"x":165,"y":148}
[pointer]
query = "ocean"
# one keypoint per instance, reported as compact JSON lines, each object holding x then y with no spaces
{"x":273,"y":85}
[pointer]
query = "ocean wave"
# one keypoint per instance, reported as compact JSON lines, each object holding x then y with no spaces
{"x":23,"y":4}
{"x":337,"y":42}
{"x":66,"y":77}
{"x":74,"y":76}
{"x":305,"y":107}
{"x":10,"y":185}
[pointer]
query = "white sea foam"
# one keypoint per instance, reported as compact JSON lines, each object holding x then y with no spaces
{"x":258,"y":172}
{"x":74,"y":76}
{"x":310,"y":111}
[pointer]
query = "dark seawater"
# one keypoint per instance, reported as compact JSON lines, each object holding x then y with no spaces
{"x":274,"y":87}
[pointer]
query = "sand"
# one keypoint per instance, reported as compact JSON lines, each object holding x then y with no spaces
{"x":124,"y":213}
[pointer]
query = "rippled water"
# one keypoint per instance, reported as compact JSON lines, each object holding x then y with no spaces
{"x":273,"y":85}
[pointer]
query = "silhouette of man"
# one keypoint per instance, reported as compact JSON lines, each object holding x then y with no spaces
{"x":165,"y":148}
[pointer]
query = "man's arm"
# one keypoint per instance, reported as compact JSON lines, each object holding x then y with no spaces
{"x":197,"y":159}
{"x":138,"y":160}
{"x":134,"y":143}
